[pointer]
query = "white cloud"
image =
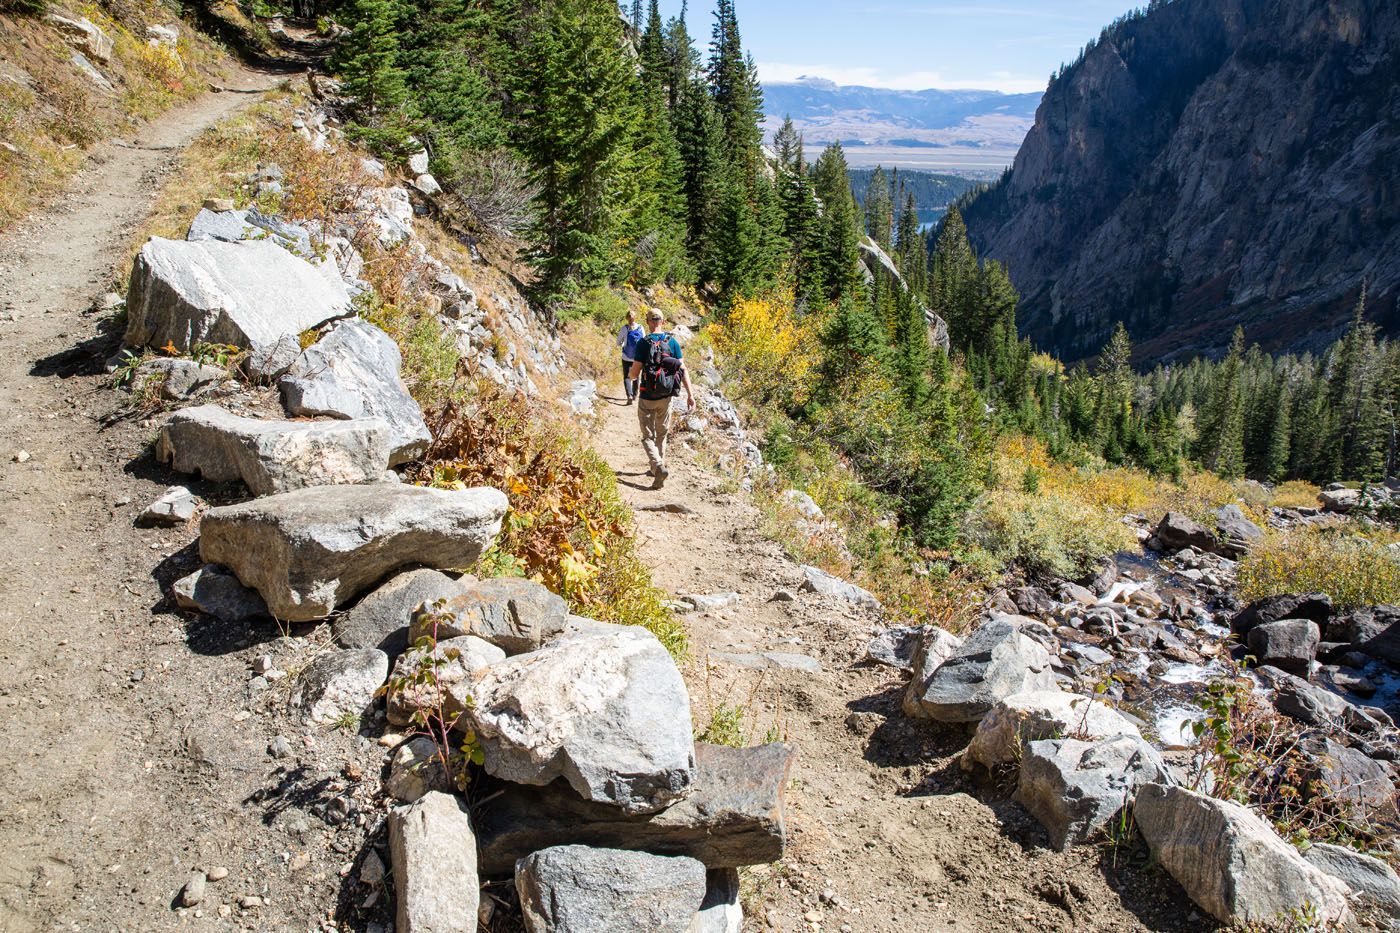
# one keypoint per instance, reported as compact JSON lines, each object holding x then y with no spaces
{"x":904,"y":81}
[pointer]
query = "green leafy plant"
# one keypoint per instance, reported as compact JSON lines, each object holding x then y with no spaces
{"x":435,"y":713}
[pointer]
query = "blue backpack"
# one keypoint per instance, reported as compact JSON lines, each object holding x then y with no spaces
{"x":634,"y":337}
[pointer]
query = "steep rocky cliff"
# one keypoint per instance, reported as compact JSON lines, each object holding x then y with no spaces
{"x":1207,"y":164}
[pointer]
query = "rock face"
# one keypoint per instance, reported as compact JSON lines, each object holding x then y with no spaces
{"x":576,"y":889}
{"x":380,"y":620}
{"x":340,"y":683}
{"x":308,"y":551}
{"x":179,"y":379}
{"x":606,"y":710}
{"x":721,"y":911}
{"x":175,"y":506}
{"x":935,"y":646}
{"x":1173,"y":174}
{"x":1230,"y":861}
{"x":247,"y":295}
{"x":1075,"y":788}
{"x":274,"y":456}
{"x":515,"y":615}
{"x":354,"y":370}
{"x":994,"y":662}
{"x":434,"y":855}
{"x":1300,"y":700}
{"x":1043,"y":714}
{"x":1289,"y":644}
{"x":735,"y":816}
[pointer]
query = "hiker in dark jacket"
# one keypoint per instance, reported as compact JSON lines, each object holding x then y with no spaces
{"x":662,"y":374}
{"x":627,"y":340}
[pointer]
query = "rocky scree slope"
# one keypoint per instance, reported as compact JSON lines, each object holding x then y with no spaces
{"x":1205,"y":165}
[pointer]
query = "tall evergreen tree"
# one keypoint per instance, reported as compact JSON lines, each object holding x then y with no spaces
{"x":1222,"y":435}
{"x":577,"y":128}
{"x":373,"y":77}
{"x":879,"y":209}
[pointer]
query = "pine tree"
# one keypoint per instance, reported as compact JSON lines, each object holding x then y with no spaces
{"x":879,"y":209}
{"x":734,"y":85}
{"x":787,"y":143}
{"x":952,"y":278}
{"x":707,"y":177}
{"x":839,"y":254}
{"x":1222,"y":435}
{"x":577,"y":127}
{"x":369,"y":60}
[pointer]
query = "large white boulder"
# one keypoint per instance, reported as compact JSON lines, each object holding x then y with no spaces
{"x":247,"y":295}
{"x":994,"y":662}
{"x":604,"y":708}
{"x":274,"y":456}
{"x":1041,"y":714}
{"x":1231,"y":862}
{"x":352,"y":371}
{"x":1075,"y":788}
{"x":308,"y":551}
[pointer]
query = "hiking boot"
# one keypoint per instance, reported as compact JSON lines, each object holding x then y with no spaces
{"x":660,"y":474}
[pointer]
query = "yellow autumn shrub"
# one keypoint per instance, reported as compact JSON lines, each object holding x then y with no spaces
{"x":1351,"y":569}
{"x":768,"y":353}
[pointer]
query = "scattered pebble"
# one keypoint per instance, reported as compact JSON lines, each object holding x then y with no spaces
{"x":22,"y":457}
{"x":217,"y":874}
{"x":193,"y":891}
{"x":279,"y":747}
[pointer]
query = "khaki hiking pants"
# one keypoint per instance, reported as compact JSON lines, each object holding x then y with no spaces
{"x":655,"y":419}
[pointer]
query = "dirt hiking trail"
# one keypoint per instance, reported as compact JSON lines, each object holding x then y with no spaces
{"x":89,"y":802}
{"x":885,"y":829}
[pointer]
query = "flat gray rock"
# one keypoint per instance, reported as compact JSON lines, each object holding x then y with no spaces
{"x":274,"y":456}
{"x":433,"y":850}
{"x":1075,"y":788}
{"x":577,"y":889}
{"x":994,"y":662}
{"x":339,"y":683}
{"x":357,"y":366}
{"x":1371,"y":880}
{"x":415,"y":770}
{"x":380,"y":620}
{"x":180,"y":379}
{"x":822,"y":583}
{"x":605,"y":709}
{"x":736,"y":815}
{"x":306,"y":552}
{"x":895,"y":647}
{"x":215,"y":591}
{"x":1041,"y":714}
{"x":247,"y":295}
{"x":176,"y":506}
{"x":1230,"y":861}
{"x":515,"y":615}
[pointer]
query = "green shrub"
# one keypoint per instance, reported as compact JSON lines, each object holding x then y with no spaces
{"x":1044,"y":535}
{"x":1345,"y":566}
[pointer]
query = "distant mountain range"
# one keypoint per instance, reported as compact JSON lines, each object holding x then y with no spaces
{"x":974,"y":133}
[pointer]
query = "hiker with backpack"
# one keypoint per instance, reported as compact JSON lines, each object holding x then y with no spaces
{"x":662,"y":374}
{"x":628,"y":338}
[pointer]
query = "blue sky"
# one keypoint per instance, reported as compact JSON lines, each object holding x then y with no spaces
{"x":1007,"y":45}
